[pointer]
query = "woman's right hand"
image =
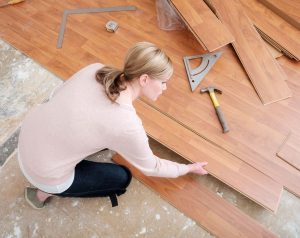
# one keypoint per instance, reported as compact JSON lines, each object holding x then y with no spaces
{"x":197,"y":168}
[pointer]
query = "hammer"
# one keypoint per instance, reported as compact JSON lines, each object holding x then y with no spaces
{"x":9,"y":2}
{"x":211,"y":90}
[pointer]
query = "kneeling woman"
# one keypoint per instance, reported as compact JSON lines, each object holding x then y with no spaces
{"x":92,"y":111}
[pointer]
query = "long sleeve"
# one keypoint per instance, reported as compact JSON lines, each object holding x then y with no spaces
{"x":78,"y":121}
{"x":133,"y":145}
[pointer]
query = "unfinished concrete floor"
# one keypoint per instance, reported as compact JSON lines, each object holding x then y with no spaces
{"x":141,"y":213}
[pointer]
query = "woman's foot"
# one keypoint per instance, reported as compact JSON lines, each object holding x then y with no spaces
{"x":42,"y":196}
{"x":35,"y":197}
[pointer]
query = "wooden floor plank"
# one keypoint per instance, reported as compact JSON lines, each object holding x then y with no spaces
{"x":206,"y":208}
{"x":275,"y":53}
{"x":277,"y":30}
{"x":262,"y":69}
{"x":287,"y":9}
{"x":290,"y":151}
{"x":294,"y":66}
{"x":222,"y":165}
{"x":256,"y":131}
{"x":203,"y":23}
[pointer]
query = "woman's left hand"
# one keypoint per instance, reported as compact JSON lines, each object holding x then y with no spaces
{"x":197,"y":168}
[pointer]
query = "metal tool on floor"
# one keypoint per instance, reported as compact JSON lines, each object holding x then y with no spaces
{"x":68,"y":12}
{"x":196,"y":75}
{"x":111,"y":26}
{"x":211,"y":90}
{"x":11,"y":2}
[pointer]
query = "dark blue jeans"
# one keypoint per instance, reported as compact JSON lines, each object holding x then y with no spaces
{"x":95,"y":179}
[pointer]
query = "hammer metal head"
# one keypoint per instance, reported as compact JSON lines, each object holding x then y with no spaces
{"x":210,"y":89}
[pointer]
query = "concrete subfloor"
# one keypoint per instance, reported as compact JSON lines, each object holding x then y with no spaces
{"x":141,"y":212}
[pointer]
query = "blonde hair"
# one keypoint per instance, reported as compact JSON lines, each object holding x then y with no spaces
{"x":142,"y":58}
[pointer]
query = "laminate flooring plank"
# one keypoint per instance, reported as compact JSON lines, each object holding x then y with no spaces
{"x":274,"y":52}
{"x":263,"y":71}
{"x":275,"y":28}
{"x":290,"y":151}
{"x":222,"y":165}
{"x":238,"y":147}
{"x":189,"y":27}
{"x":276,"y":45}
{"x":287,"y":9}
{"x":203,"y":23}
{"x":256,"y":131}
{"x":295,"y":66}
{"x":206,"y":208}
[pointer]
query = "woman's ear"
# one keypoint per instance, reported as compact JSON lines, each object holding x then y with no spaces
{"x":143,"y":80}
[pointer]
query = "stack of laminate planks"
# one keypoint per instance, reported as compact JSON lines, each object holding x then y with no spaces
{"x":185,"y":122}
{"x":221,"y":164}
{"x":204,"y":25}
{"x":263,"y":71}
{"x":273,"y":29}
{"x":274,"y":52}
{"x":287,"y":9}
{"x":208,"y":210}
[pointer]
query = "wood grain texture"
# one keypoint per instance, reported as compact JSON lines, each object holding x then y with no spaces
{"x":287,"y":9}
{"x":256,"y":130}
{"x":221,"y":164}
{"x":274,"y":52}
{"x":251,"y":138}
{"x":206,"y":208}
{"x":279,"y":33}
{"x":290,"y":151}
{"x":291,"y":68}
{"x":206,"y":27}
{"x":262,"y":69}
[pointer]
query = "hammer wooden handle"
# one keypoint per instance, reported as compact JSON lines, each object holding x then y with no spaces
{"x":9,"y":2}
{"x":222,"y":119}
{"x":211,"y":90}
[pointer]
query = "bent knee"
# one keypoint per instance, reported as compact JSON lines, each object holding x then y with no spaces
{"x":124,"y":176}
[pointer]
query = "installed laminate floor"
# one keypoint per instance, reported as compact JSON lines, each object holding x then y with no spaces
{"x":32,"y":28}
{"x":141,"y":212}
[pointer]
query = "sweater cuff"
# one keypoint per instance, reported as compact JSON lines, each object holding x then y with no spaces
{"x":182,"y":169}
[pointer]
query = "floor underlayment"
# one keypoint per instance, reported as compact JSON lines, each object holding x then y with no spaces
{"x":141,"y":213}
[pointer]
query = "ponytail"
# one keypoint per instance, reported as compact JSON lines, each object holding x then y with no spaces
{"x":142,"y":58}
{"x":113,"y":81}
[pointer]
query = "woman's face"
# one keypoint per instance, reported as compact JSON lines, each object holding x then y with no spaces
{"x":154,"y":88}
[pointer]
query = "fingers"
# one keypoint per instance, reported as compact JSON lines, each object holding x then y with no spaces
{"x":201,"y":170}
{"x":197,"y":168}
{"x":204,"y":172}
{"x":203,"y":163}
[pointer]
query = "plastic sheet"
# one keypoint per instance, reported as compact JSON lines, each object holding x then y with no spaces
{"x":167,"y":17}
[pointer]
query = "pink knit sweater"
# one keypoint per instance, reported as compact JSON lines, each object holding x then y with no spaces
{"x":80,"y":120}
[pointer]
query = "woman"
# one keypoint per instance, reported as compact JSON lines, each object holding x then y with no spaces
{"x":92,"y":111}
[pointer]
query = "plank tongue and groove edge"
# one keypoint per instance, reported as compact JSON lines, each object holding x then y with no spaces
{"x":276,"y":53}
{"x":205,"y":26}
{"x":32,"y":27}
{"x":290,"y":150}
{"x":263,"y":71}
{"x":221,"y":164}
{"x":273,"y":29}
{"x":287,"y":9}
{"x":210,"y":211}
